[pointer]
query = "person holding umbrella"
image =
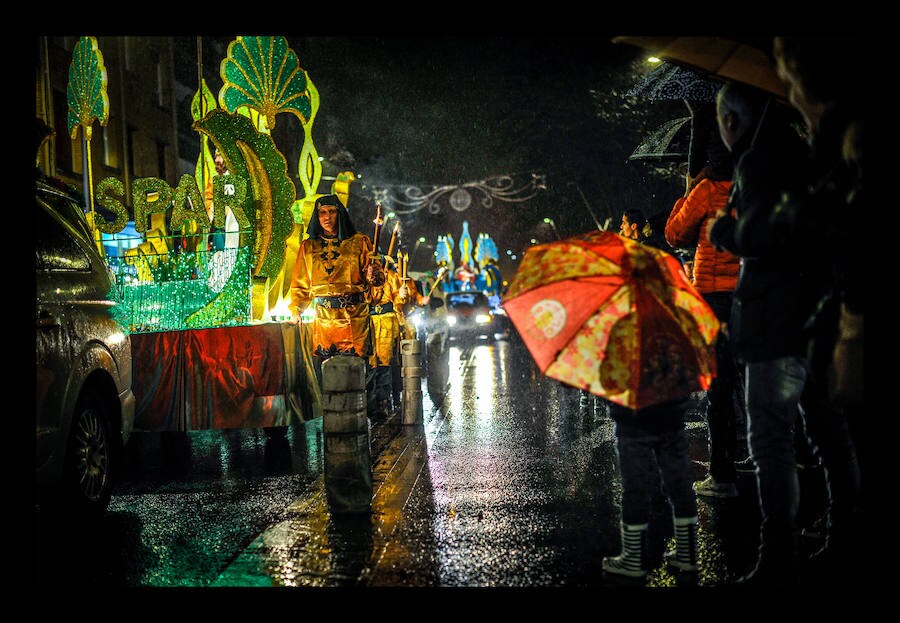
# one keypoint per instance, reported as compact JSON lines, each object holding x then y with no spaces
{"x":778,"y":288}
{"x":825,"y":85}
{"x":604,"y":313}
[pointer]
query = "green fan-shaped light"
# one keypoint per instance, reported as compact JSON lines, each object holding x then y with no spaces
{"x":264,"y":74}
{"x":86,"y":92}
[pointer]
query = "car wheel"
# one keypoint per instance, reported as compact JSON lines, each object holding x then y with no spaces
{"x":91,"y":458}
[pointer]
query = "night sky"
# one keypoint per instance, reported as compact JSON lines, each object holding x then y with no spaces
{"x":439,"y":111}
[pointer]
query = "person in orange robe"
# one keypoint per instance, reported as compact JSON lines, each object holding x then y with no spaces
{"x":335,"y":270}
{"x":385,"y":313}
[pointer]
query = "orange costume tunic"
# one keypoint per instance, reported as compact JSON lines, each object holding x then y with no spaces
{"x":386,"y":313}
{"x":331,"y":274}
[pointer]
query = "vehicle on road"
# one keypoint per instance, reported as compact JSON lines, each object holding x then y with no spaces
{"x":84,"y":401}
{"x":470,"y":316}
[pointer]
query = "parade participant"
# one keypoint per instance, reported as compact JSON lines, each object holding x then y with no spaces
{"x":387,"y":301}
{"x":334,"y":271}
{"x":217,"y":235}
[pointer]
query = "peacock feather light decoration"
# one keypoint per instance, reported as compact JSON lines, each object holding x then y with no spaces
{"x":86,"y":96}
{"x":263,"y":75}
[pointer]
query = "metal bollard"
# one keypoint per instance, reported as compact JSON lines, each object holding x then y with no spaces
{"x":347,"y":456}
{"x":411,"y":372}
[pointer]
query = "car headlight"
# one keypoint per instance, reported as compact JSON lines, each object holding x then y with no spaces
{"x":483,"y":318}
{"x":451,"y":320}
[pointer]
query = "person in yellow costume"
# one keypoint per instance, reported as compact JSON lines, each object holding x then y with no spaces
{"x":385,"y":312}
{"x":335,"y":270}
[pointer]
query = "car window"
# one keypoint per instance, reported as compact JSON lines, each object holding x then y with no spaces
{"x":56,"y":248}
{"x":467,"y":298}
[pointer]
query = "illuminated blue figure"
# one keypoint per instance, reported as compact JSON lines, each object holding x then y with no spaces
{"x":443,"y":257}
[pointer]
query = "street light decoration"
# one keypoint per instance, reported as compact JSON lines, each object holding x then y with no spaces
{"x":86,"y":93}
{"x":409,"y":199}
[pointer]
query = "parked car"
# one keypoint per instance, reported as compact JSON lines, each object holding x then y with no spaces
{"x":470,"y":316}
{"x":84,"y":402}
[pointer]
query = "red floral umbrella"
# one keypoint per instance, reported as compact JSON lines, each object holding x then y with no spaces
{"x":620,"y":319}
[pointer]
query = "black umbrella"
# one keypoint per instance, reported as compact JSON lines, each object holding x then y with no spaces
{"x":670,"y":141}
{"x":674,"y":82}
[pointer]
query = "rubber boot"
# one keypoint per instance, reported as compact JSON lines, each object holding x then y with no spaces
{"x":684,"y":558}
{"x":630,"y":562}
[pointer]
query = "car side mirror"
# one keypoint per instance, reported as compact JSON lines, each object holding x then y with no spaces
{"x":435,"y":303}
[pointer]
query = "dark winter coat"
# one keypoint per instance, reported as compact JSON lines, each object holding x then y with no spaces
{"x":780,"y":281}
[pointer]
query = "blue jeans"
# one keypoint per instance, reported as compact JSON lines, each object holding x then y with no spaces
{"x":774,"y":389}
{"x":643,"y":461}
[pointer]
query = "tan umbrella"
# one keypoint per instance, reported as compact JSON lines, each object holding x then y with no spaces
{"x":722,"y":57}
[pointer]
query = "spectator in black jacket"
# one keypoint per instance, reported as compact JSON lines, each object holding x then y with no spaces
{"x":777,"y":290}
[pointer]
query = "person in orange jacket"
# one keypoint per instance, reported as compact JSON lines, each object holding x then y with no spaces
{"x":714,"y":274}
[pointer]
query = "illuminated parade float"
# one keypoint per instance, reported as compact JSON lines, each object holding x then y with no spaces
{"x":203,"y":270}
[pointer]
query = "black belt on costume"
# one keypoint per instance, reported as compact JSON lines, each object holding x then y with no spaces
{"x":337,"y":302}
{"x":381,"y":308}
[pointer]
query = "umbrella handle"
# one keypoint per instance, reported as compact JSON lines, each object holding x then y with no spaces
{"x":762,"y":118}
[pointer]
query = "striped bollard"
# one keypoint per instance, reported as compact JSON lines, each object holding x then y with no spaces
{"x":347,"y":456}
{"x":411,"y":373}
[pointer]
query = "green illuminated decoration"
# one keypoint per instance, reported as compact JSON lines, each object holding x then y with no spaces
{"x":194,"y":210}
{"x":86,"y":92}
{"x":264,"y":74}
{"x":232,"y":305}
{"x":309,"y":168}
{"x":188,"y":291}
{"x":150,"y":195}
{"x":105,"y":189}
{"x":203,"y":102}
{"x":252,"y":156}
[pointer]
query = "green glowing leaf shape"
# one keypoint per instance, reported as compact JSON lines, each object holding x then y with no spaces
{"x":232,"y":305}
{"x":252,"y":156}
{"x":264,"y":74}
{"x":309,"y":168}
{"x":203,"y":102}
{"x":86,"y":92}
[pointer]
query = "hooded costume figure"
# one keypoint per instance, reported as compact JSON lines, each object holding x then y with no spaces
{"x":387,"y":319}
{"x":330,"y":273}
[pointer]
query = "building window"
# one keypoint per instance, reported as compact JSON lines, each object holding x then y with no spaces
{"x":110,"y":152}
{"x":161,"y":151}
{"x":130,"y":150}
{"x":61,"y":138}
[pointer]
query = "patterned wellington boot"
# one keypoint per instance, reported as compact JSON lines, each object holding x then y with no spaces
{"x":630,"y":562}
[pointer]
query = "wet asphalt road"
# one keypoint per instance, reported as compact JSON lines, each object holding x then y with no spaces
{"x":509,"y":481}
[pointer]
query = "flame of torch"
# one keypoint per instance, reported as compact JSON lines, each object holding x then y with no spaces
{"x":378,"y":223}
{"x":393,"y":243}
{"x":437,"y":279}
